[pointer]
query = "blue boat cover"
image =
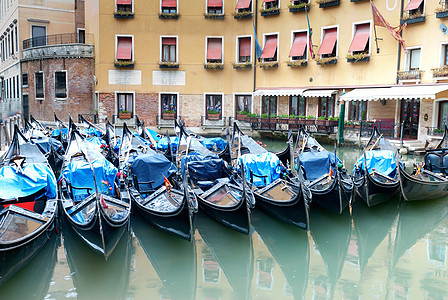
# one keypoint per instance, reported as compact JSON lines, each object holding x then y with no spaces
{"x":214,"y":144}
{"x":316,"y":163}
{"x":56,"y":132}
{"x":383,"y":161}
{"x":21,"y":184}
{"x":207,"y":169}
{"x":154,"y":134}
{"x":79,"y":174}
{"x":92,"y":132}
{"x":163,"y":143}
{"x":261,"y":164}
{"x":98,"y":142}
{"x":117,"y":146}
{"x":44,"y":144}
{"x":151,"y":167}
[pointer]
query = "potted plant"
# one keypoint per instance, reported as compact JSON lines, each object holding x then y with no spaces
{"x":333,"y":121}
{"x":283,"y":119}
{"x":441,"y":12}
{"x":327,"y":3}
{"x":270,"y":11}
{"x":163,"y":15}
{"x":440,"y":72}
{"x":413,"y":18}
{"x":214,"y":16}
{"x":124,"y":114}
{"x":242,"y":115}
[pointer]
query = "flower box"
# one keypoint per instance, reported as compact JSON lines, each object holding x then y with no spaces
{"x":168,"y":65}
{"x":214,"y":16}
{"x":326,"y":3}
{"x":213,"y":66}
{"x":442,"y":14}
{"x":124,"y":64}
{"x":283,"y":121}
{"x":123,"y":14}
{"x":270,"y":12}
{"x":297,"y":64}
{"x":125,"y":115}
{"x":241,"y":117}
{"x":243,"y":15}
{"x":299,"y":8}
{"x":213,"y":117}
{"x":356,"y":0}
{"x":169,"y":16}
{"x":168,"y":116}
{"x":242,"y":66}
{"x":268,"y":65}
{"x":326,"y":61}
{"x":355,"y":60}
{"x":413,"y":20}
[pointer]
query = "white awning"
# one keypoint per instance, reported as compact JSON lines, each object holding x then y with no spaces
{"x":395,"y":92}
{"x":279,"y":92}
{"x":319,"y":93}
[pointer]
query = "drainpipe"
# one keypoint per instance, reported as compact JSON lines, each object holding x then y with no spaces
{"x":255,"y":57}
{"x":399,"y":45}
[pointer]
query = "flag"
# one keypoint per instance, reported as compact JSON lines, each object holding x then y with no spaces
{"x":378,"y":20}
{"x":310,"y":43}
{"x":258,"y":49}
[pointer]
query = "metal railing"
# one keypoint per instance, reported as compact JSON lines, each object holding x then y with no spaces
{"x":434,"y":131}
{"x":131,"y":120}
{"x":286,"y":124}
{"x":58,"y":39}
{"x":213,"y":122}
{"x":410,"y":75}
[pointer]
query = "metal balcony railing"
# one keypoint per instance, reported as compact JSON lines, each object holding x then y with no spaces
{"x":58,"y":39}
{"x":410,"y":75}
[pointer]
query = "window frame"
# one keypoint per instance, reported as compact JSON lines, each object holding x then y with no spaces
{"x":298,"y":105}
{"x":251,"y":7}
{"x":337,"y":40}
{"x":117,"y":109}
{"x":221,"y":113}
{"x":31,"y":33}
{"x":206,"y":48}
{"x":161,"y":8}
{"x":276,"y":104}
{"x":369,"y":42}
{"x":177,"y":113}
{"x":222,"y":9}
{"x":319,"y":106}
{"x":132,"y":6}
{"x":265,"y":6}
{"x":117,"y":36}
{"x":66,"y":84}
{"x":43,"y":86}
{"x":265,"y":35}
{"x":237,"y":52}
{"x":408,"y":58}
{"x":235,"y":101}
{"x":161,"y":47}
{"x":78,"y":30}
{"x":413,"y":11}
{"x":293,"y":33}
{"x":443,"y":61}
{"x":357,"y":117}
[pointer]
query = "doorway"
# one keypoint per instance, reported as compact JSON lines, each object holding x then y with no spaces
{"x":410,"y":113}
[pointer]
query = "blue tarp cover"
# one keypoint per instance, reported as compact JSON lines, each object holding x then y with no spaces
{"x":154,"y":134}
{"x":206,"y":169}
{"x":316,"y":163}
{"x":383,"y":161}
{"x":261,"y":164}
{"x":79,"y":174}
{"x":163,"y":143}
{"x":215,"y":144}
{"x":96,"y":141}
{"x":56,"y":132}
{"x":91,"y":132}
{"x":34,"y":178}
{"x":151,"y":167}
{"x":44,"y":144}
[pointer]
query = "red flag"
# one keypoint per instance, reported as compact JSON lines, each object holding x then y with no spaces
{"x":378,"y":20}
{"x":167,"y":184}
{"x":103,"y":203}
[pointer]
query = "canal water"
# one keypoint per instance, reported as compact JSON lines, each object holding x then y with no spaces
{"x":393,"y":251}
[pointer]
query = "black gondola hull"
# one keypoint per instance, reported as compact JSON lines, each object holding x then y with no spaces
{"x":334,"y":199}
{"x":373,"y":192}
{"x":414,"y":189}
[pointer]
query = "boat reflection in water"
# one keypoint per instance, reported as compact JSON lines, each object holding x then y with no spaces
{"x":331,"y":235}
{"x":96,"y":278}
{"x":173,"y":259}
{"x":228,"y":250}
{"x":33,"y":281}
{"x":289,"y":247}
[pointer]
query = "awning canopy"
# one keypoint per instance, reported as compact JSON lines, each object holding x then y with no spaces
{"x":214,"y":3}
{"x":319,"y":93}
{"x":299,"y":44}
{"x":124,"y":48}
{"x":360,"y":38}
{"x":329,"y":41}
{"x":242,"y":4}
{"x":214,"y":48}
{"x":279,"y":92}
{"x":395,"y":92}
{"x":270,"y":47}
{"x":413,"y":4}
{"x":168,"y":41}
{"x":124,"y":2}
{"x":245,"y":46}
{"x":169,"y":3}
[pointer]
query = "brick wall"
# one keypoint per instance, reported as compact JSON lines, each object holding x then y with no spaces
{"x":377,"y":111}
{"x":79,"y":15}
{"x":79,"y":87}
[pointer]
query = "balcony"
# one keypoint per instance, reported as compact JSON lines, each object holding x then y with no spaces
{"x":409,"y":76}
{"x":412,"y":18}
{"x":442,"y":10}
{"x":58,"y":39}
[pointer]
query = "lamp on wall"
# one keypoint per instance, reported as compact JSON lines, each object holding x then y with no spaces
{"x":383,"y":102}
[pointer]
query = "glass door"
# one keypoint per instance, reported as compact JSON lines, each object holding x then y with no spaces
{"x":410,"y":112}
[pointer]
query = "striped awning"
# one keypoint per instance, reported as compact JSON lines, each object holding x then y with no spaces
{"x":279,"y":92}
{"x":395,"y":92}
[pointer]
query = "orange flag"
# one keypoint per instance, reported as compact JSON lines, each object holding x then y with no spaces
{"x":167,"y":184}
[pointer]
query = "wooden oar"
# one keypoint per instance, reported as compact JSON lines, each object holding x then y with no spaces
{"x":376,"y":142}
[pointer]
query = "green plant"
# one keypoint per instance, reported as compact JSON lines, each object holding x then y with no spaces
{"x":96,"y":111}
{"x":264,"y":115}
{"x":298,"y":6}
{"x":168,"y":63}
{"x":333,"y":119}
{"x":212,"y":112}
{"x":213,"y":16}
{"x":123,"y":13}
{"x":273,"y":116}
{"x":321,"y":118}
{"x":284,"y":116}
{"x":242,"y":112}
{"x":297,"y":63}
{"x":242,"y":14}
{"x":268,"y":65}
{"x":272,"y":9}
{"x":125,"y":112}
{"x":437,"y":130}
{"x":357,"y":57}
{"x":302,"y":117}
{"x":292,"y":116}
{"x":310,"y":117}
{"x":214,"y":66}
{"x":245,"y":65}
{"x":412,"y":16}
{"x":323,"y":1}
{"x":168,"y":15}
{"x":440,"y":72}
{"x":363,"y":115}
{"x":325,"y":60}
{"x":168,"y":111}
{"x":123,"y":63}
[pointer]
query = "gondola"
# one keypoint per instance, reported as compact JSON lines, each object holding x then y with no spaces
{"x":423,"y":183}
{"x":330,"y":185}
{"x":94,"y":200}
{"x":377,"y":181}
{"x":28,"y":204}
{"x":61,"y":132}
{"x":219,"y":190}
{"x":283,"y":199}
{"x":151,"y":176}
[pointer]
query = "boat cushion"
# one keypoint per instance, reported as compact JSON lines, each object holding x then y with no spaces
{"x":265,"y":168}
{"x":383,"y":161}
{"x":21,"y":184}
{"x":317,"y":163}
{"x":152,"y":167}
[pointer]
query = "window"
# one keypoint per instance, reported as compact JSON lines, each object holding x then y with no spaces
{"x":214,"y":7}
{"x":13,"y":92}
{"x":357,"y":111}
{"x":269,"y":105}
{"x":413,"y":59}
{"x":297,"y":106}
{"x":124,"y":48}
{"x":214,"y":50}
{"x":25,"y":80}
{"x":445,"y":55}
{"x":299,"y":46}
{"x":270,"y":4}
{"x":81,"y":35}
{"x":265,"y":265}
{"x":244,"y":49}
{"x":124,"y":5}
{"x":213,"y":106}
{"x":361,"y":39}
{"x":11,"y":36}
{"x":443,"y":114}
{"x":326,"y":106}
{"x":169,"y":49}
{"x":270,"y":48}
{"x":243,"y":5}
{"x":415,"y":8}
{"x":60,"y":84}
{"x":17,"y":86}
{"x":297,"y":2}
{"x":39,"y":84}
{"x":39,"y":35}
{"x":17,"y":43}
{"x":168,"y":104}
{"x":169,"y":6}
{"x":243,"y":103}
{"x":125,"y":102}
{"x":328,"y":47}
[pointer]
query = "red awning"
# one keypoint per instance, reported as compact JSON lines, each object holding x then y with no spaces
{"x":361,"y":38}
{"x":169,"y":3}
{"x":299,"y":44}
{"x":268,"y":1}
{"x":124,"y":48}
{"x":413,"y":4}
{"x":214,"y":48}
{"x":124,"y":2}
{"x":214,"y":3}
{"x":243,"y":4}
{"x":270,"y":47}
{"x":245,"y":46}
{"x":330,"y":37}
{"x":168,"y":41}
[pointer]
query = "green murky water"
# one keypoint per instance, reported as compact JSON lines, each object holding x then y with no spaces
{"x":392,"y":251}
